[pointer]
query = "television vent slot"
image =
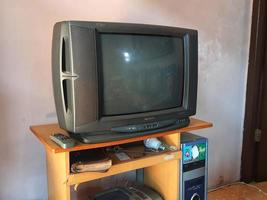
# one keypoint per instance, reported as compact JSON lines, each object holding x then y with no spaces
{"x":63,"y":56}
{"x":65,"y":94}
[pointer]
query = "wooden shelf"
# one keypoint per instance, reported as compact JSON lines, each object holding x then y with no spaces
{"x":161,"y":171}
{"x":43,"y":132}
{"x":124,"y":166}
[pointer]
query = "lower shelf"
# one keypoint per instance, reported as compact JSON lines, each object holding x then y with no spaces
{"x":124,"y":166}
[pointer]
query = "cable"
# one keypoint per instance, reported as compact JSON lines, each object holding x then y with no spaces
{"x":254,"y":186}
{"x":223,"y":186}
{"x":242,"y":183}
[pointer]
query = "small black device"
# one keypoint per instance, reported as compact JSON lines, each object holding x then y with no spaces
{"x":193,"y":167}
{"x":62,"y":140}
{"x":128,"y":193}
{"x":114,"y":81}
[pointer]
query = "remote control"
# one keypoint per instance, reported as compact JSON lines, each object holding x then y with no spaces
{"x":62,"y":140}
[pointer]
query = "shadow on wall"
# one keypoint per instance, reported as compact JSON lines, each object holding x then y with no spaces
{"x":6,"y":146}
{"x":52,"y":116}
{"x":9,"y":145}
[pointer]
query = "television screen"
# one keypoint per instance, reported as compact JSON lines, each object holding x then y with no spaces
{"x":140,"y":73}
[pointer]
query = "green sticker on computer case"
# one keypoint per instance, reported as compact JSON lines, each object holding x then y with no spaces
{"x":202,"y":151}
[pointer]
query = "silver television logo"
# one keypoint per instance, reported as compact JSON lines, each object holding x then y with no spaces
{"x":149,"y":118}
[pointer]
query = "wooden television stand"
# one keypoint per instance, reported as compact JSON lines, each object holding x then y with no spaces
{"x":161,"y":171}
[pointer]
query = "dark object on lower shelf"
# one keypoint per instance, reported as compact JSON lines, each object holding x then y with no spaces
{"x":94,"y":160}
{"x":128,"y":193}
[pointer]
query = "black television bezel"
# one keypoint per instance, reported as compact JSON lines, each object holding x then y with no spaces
{"x":140,"y":29}
{"x":100,"y":74}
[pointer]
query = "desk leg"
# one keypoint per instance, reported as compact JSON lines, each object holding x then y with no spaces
{"x":57,"y":173}
{"x":164,"y":177}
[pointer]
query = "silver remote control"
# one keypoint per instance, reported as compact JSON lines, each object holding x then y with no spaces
{"x":62,"y":140}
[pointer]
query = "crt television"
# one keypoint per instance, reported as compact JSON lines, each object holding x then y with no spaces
{"x":118,"y":80}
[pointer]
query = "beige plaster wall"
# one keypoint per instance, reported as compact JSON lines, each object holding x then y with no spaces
{"x":26,"y":87}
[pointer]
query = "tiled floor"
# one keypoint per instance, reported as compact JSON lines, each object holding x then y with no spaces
{"x":240,"y":191}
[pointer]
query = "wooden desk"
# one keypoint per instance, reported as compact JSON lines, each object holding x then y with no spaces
{"x":161,"y":171}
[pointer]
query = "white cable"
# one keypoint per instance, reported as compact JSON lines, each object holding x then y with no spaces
{"x":223,"y":186}
{"x":236,"y":183}
{"x":254,"y":186}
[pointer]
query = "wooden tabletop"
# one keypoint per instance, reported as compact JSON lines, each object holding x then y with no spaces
{"x":42,"y":132}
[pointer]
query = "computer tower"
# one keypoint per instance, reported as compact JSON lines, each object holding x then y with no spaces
{"x":193,"y":167}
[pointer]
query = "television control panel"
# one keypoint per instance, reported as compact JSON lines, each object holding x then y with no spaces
{"x":150,"y":126}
